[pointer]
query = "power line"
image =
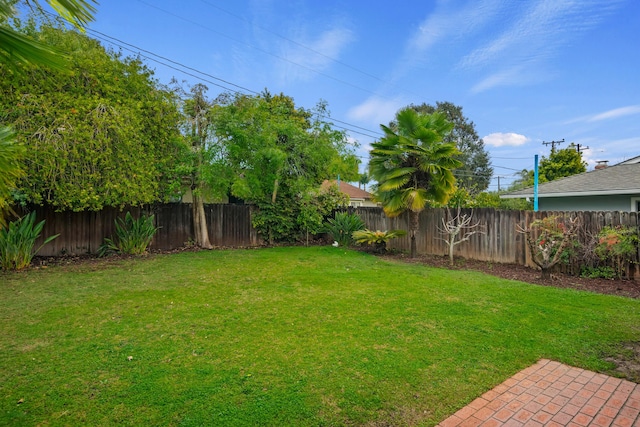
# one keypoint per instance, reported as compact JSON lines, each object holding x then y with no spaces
{"x":261,"y":50}
{"x":164,"y":58}
{"x":135,"y":49}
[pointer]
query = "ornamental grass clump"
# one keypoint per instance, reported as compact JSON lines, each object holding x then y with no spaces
{"x":18,"y":240}
{"x":133,"y":236}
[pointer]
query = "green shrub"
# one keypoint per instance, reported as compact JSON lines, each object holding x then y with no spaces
{"x":377,"y":238}
{"x":275,"y":222}
{"x":133,"y":236}
{"x":17,"y":242}
{"x":341,"y":227}
{"x":618,"y":245}
{"x":598,"y":272}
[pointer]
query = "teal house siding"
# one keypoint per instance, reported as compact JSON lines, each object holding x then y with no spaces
{"x":588,"y":203}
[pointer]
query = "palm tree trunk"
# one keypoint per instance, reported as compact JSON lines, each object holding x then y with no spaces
{"x":414,"y":224}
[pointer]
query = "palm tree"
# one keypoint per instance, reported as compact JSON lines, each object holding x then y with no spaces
{"x":413,"y":165}
{"x":364,"y":180}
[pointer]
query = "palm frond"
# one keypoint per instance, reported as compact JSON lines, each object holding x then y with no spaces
{"x":16,"y":48}
{"x":416,"y":199}
{"x":78,"y":12}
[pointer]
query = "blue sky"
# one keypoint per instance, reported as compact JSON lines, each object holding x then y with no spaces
{"x":523,"y":71}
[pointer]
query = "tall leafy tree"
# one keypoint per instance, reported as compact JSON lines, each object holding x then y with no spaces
{"x":279,"y":152}
{"x":560,"y":163}
{"x":476,"y":171}
{"x":99,"y":133}
{"x":206,"y":168}
{"x":16,"y":49}
{"x":413,"y":165}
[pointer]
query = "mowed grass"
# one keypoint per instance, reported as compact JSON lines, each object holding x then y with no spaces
{"x":280,"y":337}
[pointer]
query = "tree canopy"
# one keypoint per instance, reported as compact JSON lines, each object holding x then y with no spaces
{"x":560,"y":163}
{"x":15,"y":49}
{"x":476,"y":171}
{"x":413,"y":165}
{"x":278,"y":153}
{"x":99,"y":133}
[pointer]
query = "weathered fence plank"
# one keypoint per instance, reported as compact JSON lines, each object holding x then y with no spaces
{"x":83,"y":232}
{"x":230,"y":226}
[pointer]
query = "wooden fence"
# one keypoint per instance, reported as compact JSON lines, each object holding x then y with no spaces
{"x":500,"y":241}
{"x":83,"y":232}
{"x":230,"y":226}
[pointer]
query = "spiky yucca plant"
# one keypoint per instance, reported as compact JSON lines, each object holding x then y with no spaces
{"x":341,"y":227}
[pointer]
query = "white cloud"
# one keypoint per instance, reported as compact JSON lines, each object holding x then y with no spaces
{"x":536,"y":34}
{"x":501,"y":78}
{"x":309,"y":56}
{"x":499,"y":139}
{"x":606,"y":115}
{"x":376,"y":111}
{"x":446,"y":23}
{"x":615,"y":113}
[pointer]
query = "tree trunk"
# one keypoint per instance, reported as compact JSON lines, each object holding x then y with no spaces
{"x":275,"y":191}
{"x":451,"y":246}
{"x":545,"y":274}
{"x":200,"y":229}
{"x":414,"y":218}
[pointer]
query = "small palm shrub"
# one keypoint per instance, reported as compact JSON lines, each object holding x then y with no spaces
{"x":133,"y":236}
{"x":378,"y":239}
{"x":17,"y":242}
{"x":341,"y":227}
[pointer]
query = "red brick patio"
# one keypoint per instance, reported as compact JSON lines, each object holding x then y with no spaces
{"x":552,"y":394}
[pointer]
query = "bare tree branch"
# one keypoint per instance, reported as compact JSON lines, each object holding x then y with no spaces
{"x":461,"y":223}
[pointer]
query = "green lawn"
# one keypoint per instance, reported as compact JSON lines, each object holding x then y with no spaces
{"x":288,"y":336}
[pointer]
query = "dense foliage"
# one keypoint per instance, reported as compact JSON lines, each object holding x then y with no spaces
{"x":476,"y":171}
{"x":619,"y":246}
{"x":10,"y":156}
{"x":462,"y":198}
{"x":559,"y":164}
{"x":274,"y":155}
{"x":98,"y":133}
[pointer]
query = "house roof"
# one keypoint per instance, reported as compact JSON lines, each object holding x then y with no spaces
{"x":352,"y":191}
{"x":623,"y":178}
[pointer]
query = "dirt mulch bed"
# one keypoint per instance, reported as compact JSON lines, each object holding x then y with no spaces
{"x":625,"y":288}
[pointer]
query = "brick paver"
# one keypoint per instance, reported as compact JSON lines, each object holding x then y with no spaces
{"x":552,"y":394}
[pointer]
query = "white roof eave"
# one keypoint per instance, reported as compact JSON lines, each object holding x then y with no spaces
{"x":574,"y":194}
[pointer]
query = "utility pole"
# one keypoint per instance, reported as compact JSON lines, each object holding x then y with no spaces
{"x":580,"y":148}
{"x":553,"y":144}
